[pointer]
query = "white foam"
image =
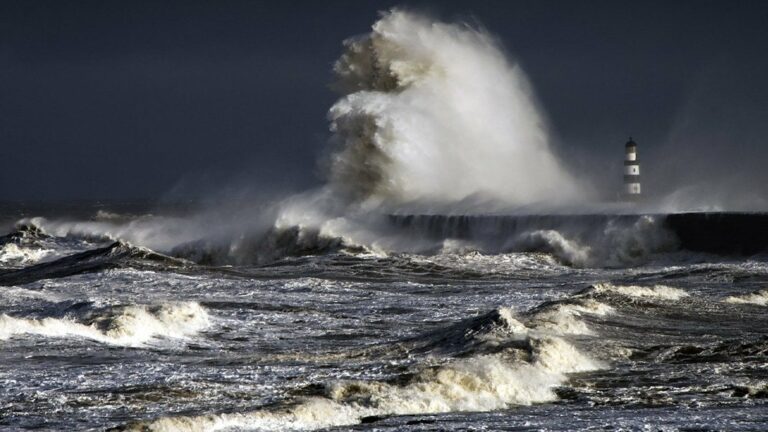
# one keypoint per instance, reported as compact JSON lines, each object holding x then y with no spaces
{"x":311,"y":414}
{"x":15,"y":255}
{"x":563,"y":318}
{"x":662,"y":292}
{"x":479,"y":383}
{"x":611,"y":243}
{"x":568,"y":250}
{"x":511,"y":323}
{"x":759,"y":298}
{"x":129,"y":326}
{"x":482,"y":383}
{"x":492,"y":263}
{"x":436,"y":112}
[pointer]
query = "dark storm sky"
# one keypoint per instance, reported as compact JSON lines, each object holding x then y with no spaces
{"x":137,"y":99}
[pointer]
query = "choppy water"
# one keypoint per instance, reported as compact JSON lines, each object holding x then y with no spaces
{"x":128,"y":338}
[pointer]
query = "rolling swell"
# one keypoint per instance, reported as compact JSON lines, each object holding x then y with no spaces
{"x":116,"y":255}
{"x":484,"y":363}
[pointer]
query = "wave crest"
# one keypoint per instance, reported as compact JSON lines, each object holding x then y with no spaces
{"x":759,"y":298}
{"x":525,"y":364}
{"x":480,"y":383}
{"x":662,"y":292}
{"x":133,"y":325}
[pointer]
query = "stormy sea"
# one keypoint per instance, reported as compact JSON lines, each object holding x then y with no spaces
{"x":448,"y":275}
{"x":96,"y":332}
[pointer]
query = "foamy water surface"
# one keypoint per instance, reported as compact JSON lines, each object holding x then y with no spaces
{"x":450,"y":340}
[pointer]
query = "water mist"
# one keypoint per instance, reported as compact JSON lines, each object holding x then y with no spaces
{"x":436,"y":113}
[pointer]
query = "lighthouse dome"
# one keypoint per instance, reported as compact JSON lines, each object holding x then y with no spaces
{"x":631,"y":143}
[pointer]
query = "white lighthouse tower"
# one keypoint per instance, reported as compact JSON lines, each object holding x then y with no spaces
{"x":631,"y":171}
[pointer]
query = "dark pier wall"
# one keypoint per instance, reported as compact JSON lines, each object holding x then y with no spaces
{"x":719,"y":233}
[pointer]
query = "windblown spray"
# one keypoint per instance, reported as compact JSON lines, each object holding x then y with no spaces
{"x":436,"y":112}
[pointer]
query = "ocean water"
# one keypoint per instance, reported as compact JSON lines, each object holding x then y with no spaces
{"x":451,"y":273}
{"x":97,"y":332}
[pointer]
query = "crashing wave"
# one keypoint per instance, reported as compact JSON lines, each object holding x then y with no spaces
{"x":13,"y":255}
{"x":24,"y":246}
{"x":26,"y":232}
{"x":597,"y":241}
{"x":759,"y":298}
{"x":264,"y":248}
{"x":504,"y":360}
{"x":420,"y":119}
{"x":31,"y":244}
{"x":133,"y":325}
{"x":480,"y":383}
{"x":661,"y":292}
{"x":565,"y":317}
{"x":577,"y":240}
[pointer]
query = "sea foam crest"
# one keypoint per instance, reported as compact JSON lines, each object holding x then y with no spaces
{"x":133,"y":325}
{"x":662,"y":292}
{"x":12,"y":254}
{"x":565,"y":317}
{"x":759,"y":298}
{"x":612,"y":242}
{"x":524,"y":374}
{"x":481,"y":383}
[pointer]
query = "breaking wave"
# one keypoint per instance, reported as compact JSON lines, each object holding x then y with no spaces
{"x":28,"y":244}
{"x":564,"y":317}
{"x":482,"y":383}
{"x":13,"y":255}
{"x":579,"y":241}
{"x":662,"y":292}
{"x":132,"y":325}
{"x":549,"y":241}
{"x":438,"y":147}
{"x":513,"y":360}
{"x":435,"y":112}
{"x":154,"y":232}
{"x":759,"y":298}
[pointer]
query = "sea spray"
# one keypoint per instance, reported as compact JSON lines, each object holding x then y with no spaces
{"x":433,"y":119}
{"x":436,"y":112}
{"x":431,"y":115}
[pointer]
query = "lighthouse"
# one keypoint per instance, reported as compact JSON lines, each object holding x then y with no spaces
{"x":631,"y":171}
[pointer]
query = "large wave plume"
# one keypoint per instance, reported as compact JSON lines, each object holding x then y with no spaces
{"x":435,"y":112}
